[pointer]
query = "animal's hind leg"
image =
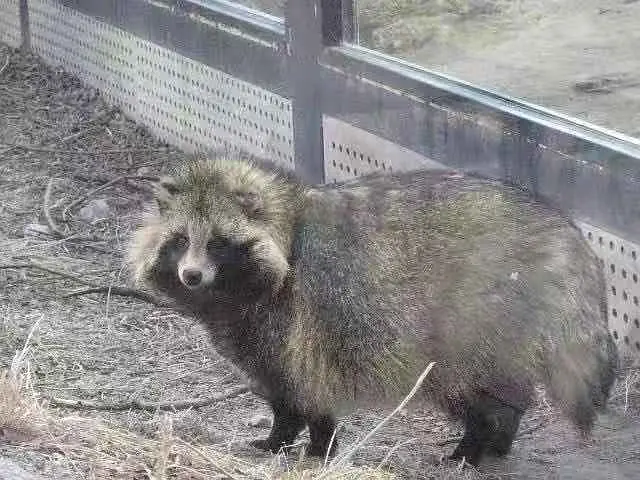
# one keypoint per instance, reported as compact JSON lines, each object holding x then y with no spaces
{"x":506,"y":421}
{"x":490,"y":428}
{"x":608,"y":370}
{"x":474,"y":441}
{"x":321,"y":430}
{"x":288,"y":422}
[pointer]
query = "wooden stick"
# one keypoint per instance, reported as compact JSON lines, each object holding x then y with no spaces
{"x":147,"y":406}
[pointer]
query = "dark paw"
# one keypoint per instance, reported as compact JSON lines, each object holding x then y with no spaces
{"x":471,"y":455}
{"x":266,"y":445}
{"x":499,"y":448}
{"x":320,"y":450}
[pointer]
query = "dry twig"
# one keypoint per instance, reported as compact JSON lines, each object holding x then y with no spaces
{"x":344,"y":458}
{"x":148,"y":406}
{"x":53,"y":226}
{"x":47,"y":212}
{"x":7,"y":150}
{"x":84,"y":198}
{"x":93,"y":287}
{"x":44,"y":268}
{"x":5,"y":65}
{"x":35,"y":148}
{"x":120,"y":291}
{"x":95,"y":124}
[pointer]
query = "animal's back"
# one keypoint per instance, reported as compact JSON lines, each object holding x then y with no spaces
{"x":431,"y":266}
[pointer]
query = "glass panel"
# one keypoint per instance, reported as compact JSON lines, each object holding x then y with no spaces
{"x":272,"y":7}
{"x":579,"y":57}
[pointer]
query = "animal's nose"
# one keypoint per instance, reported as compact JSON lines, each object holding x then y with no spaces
{"x":192,"y":278}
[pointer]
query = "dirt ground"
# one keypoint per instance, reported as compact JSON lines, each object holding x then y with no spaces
{"x":578,"y":57}
{"x":109,"y":348}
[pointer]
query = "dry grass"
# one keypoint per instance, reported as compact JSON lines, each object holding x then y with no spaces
{"x":107,"y":451}
{"x":21,"y":414}
{"x":627,"y":391}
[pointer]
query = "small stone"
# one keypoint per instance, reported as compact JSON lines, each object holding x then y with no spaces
{"x":259,"y":421}
{"x":144,"y":171}
{"x":95,"y":210}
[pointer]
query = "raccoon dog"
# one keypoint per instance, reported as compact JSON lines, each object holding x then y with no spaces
{"x":338,"y":296}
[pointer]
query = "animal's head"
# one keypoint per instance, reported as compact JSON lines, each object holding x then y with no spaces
{"x":220,"y":226}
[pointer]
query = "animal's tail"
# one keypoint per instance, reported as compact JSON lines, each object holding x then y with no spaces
{"x":580,"y":376}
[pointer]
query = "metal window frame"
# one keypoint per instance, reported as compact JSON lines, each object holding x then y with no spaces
{"x":310,"y":57}
{"x":591,"y":172}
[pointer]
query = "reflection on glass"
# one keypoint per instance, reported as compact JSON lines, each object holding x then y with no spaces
{"x":579,"y":57}
{"x":272,"y":7}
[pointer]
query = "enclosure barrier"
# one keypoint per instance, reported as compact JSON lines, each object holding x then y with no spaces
{"x":204,"y":73}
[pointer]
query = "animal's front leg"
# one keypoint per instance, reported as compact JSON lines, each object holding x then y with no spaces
{"x":288,"y":422}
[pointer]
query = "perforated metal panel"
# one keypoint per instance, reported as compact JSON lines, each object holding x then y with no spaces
{"x":197,"y":107}
{"x":10,"y":22}
{"x":184,"y":102}
{"x":350,"y":152}
{"x":622,"y":269}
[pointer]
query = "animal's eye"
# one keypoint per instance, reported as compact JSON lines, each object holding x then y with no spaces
{"x":218,"y":243}
{"x":250,"y":201}
{"x":181,"y":241}
{"x":250,"y":243}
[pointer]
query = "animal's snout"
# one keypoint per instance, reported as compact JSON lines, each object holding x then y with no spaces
{"x":191,"y":277}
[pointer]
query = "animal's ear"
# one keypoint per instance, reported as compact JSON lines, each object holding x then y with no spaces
{"x":164,"y":192}
{"x":250,"y":201}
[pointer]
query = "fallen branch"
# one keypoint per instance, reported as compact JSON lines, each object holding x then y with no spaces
{"x":35,"y":148}
{"x":147,"y":406}
{"x":120,"y":291}
{"x":84,"y":198}
{"x":47,"y":212}
{"x":53,"y":271}
{"x":56,"y":231}
{"x":5,"y":65}
{"x":93,"y":287}
{"x":7,"y":150}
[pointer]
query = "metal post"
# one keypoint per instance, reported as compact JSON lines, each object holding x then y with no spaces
{"x":312,"y":25}
{"x":24,"y":26}
{"x":332,"y":22}
{"x":304,"y":28}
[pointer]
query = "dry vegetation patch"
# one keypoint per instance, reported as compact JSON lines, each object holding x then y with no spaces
{"x":103,"y":450}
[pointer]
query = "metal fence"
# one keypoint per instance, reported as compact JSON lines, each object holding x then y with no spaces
{"x":201,"y":73}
